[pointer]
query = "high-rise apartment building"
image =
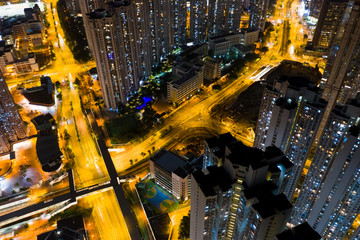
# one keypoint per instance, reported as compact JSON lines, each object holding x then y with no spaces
{"x":270,"y":95}
{"x":145,"y":33}
{"x":224,"y":17}
{"x":328,"y":25}
{"x":198,"y":20}
{"x":166,"y":21}
{"x":290,"y":122}
{"x":342,"y":74}
{"x":315,"y":8}
{"x":338,"y":201}
{"x":258,"y":11}
{"x":87,"y":6}
{"x":11,"y":124}
{"x":339,"y":122}
{"x":121,"y":50}
{"x":237,"y":194}
{"x":163,"y":30}
{"x":210,"y":203}
{"x":262,"y":214}
{"x":214,"y":18}
{"x":275,"y":89}
{"x":127,"y":38}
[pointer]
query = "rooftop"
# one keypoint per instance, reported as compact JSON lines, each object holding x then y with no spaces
{"x":119,"y":3}
{"x":216,"y":177}
{"x":41,"y":95}
{"x":223,"y":36}
{"x":184,"y":79}
{"x":354,"y":130}
{"x":76,"y":223}
{"x":268,"y":204}
{"x":43,"y":121}
{"x":99,"y":14}
{"x":48,"y":152}
{"x":223,"y":139}
{"x":286,"y":103}
{"x":244,"y":155}
{"x":67,"y":229}
{"x":242,"y":48}
{"x":61,"y":234}
{"x":47,"y":146}
{"x":218,"y":143}
{"x":168,"y":161}
{"x":301,"y":232}
{"x":192,"y":49}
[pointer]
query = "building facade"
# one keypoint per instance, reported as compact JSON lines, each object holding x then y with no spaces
{"x":337,"y":204}
{"x":237,"y":193}
{"x":258,"y":11}
{"x":339,"y":122}
{"x":12,"y":127}
{"x":224,"y":17}
{"x":341,"y":74}
{"x":121,"y":55}
{"x":173,"y":173}
{"x":187,"y":75}
{"x":290,"y":122}
{"x":329,"y":22}
{"x":219,"y":46}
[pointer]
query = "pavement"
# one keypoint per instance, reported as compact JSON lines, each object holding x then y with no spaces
{"x":76,"y":194}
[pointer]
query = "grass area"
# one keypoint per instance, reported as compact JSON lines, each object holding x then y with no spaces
{"x":250,"y":99}
{"x":124,"y":129}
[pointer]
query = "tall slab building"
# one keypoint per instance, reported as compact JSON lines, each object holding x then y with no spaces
{"x":342,"y":74}
{"x":214,"y":18}
{"x":258,"y":11}
{"x":224,"y":17}
{"x":238,"y":193}
{"x":338,"y":202}
{"x":334,"y":140}
{"x":289,"y":118}
{"x":128,"y":38}
{"x":329,"y":23}
{"x":118,"y":55}
{"x":120,"y":40}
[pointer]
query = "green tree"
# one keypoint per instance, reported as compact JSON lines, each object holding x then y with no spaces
{"x":26,"y":226}
{"x":59,"y":96}
{"x":66,"y":135}
{"x":264,"y":49}
{"x":57,"y":84}
{"x":81,"y":54}
{"x":184,"y":228}
{"x":77,"y":81}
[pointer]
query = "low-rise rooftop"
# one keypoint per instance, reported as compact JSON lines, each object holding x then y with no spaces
{"x":168,"y":161}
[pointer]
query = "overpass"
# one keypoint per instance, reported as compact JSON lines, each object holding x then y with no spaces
{"x":64,"y":199}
